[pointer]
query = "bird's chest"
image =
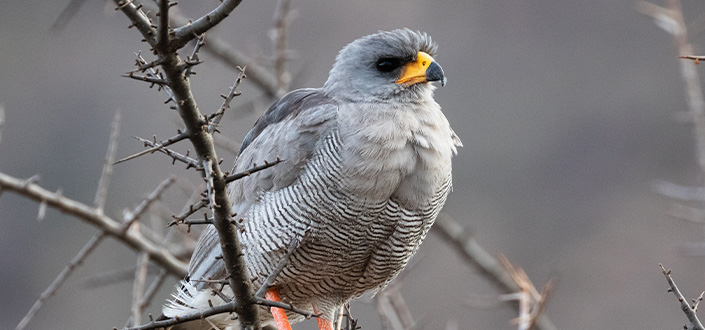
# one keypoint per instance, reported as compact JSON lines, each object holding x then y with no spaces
{"x":409,"y":160}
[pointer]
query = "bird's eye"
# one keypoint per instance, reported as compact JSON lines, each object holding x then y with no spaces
{"x":387,"y":64}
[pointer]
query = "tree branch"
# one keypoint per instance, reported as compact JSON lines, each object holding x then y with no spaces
{"x":480,"y":259}
{"x":135,"y":241}
{"x":197,"y":126}
{"x":188,"y":32}
{"x":61,"y":278}
{"x":687,"y":309}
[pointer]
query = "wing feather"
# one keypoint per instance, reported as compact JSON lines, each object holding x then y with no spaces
{"x":290,"y":129}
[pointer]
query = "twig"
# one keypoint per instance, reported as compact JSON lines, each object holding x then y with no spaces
{"x":192,"y":209}
{"x":150,"y":79}
{"x":113,"y":276}
{"x":282,"y":19}
{"x":196,"y":125}
{"x":269,"y":281}
{"x":671,"y":19}
{"x":152,"y":290}
{"x":285,"y":306}
{"x":138,"y":286}
{"x":225,"y":308}
{"x":693,"y":57}
{"x":190,"y":162}
{"x":130,"y":217}
{"x":531,"y":302}
{"x":226,"y":53}
{"x":188,"y":32}
{"x":89,"y":214}
{"x":138,"y":19}
{"x":61,"y":278}
{"x":148,"y":69}
{"x":687,"y":309}
{"x":102,"y":191}
{"x":217,"y":116}
{"x":255,"y":169}
{"x":164,"y":143}
{"x":476,"y":256}
{"x":189,"y":222}
{"x":193,"y":60}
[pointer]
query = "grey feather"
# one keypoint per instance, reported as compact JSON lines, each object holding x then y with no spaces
{"x":367,"y":169}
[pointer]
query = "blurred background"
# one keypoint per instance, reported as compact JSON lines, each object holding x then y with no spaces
{"x":565,"y":109}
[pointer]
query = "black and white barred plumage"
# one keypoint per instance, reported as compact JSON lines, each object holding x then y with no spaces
{"x":367,"y":169}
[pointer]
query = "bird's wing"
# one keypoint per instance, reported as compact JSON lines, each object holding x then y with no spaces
{"x":290,"y":130}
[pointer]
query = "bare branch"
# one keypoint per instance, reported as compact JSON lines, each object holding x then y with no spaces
{"x":130,"y":217}
{"x":192,"y":209}
{"x":188,"y":32}
{"x":152,"y":290}
{"x":687,"y":309}
{"x":216,"y":117}
{"x":190,"y":162}
{"x":282,"y":19}
{"x":255,"y":169}
{"x":150,"y":79}
{"x":269,"y":281}
{"x":234,"y":58}
{"x":138,"y":19}
{"x":61,"y":278}
{"x":479,"y":258}
{"x":102,"y":191}
{"x":164,"y":143}
{"x":693,"y":57}
{"x":193,"y":59}
{"x":225,"y":308}
{"x":86,"y":213}
{"x":138,"y":286}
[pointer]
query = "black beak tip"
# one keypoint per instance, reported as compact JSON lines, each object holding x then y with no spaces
{"x":435,"y":73}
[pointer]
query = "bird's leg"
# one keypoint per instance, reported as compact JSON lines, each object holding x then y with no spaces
{"x":279,"y":314}
{"x":323,"y":324}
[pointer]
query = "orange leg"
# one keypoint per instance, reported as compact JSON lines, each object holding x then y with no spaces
{"x":279,"y":314}
{"x":323,"y":324}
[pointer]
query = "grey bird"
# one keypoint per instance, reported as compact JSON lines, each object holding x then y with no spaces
{"x":367,"y":169}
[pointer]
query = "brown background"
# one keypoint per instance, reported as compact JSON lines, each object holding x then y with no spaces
{"x":565,"y":109}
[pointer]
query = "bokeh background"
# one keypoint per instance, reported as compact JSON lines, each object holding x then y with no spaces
{"x":565,"y":108}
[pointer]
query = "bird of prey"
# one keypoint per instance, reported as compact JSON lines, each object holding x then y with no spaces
{"x":366,"y":170}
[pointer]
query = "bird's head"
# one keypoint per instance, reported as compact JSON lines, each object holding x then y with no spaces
{"x":388,"y":65}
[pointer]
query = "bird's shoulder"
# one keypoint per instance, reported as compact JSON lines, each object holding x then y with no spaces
{"x":290,"y":130}
{"x":305,"y":103}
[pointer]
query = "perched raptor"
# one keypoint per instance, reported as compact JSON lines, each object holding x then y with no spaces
{"x":367,"y":169}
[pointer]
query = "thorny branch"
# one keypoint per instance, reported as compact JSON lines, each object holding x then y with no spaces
{"x":156,"y":146}
{"x":234,"y":58}
{"x":190,"y":162}
{"x":188,"y":32}
{"x":173,"y":68}
{"x":111,"y":227}
{"x":61,"y":278}
{"x":687,"y":309}
{"x":476,"y":256}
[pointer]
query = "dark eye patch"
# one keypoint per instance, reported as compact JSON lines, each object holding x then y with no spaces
{"x":388,"y":64}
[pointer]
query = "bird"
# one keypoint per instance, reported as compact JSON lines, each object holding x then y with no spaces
{"x":366,"y":170}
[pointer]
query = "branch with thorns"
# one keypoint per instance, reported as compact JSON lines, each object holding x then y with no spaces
{"x":689,"y":310}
